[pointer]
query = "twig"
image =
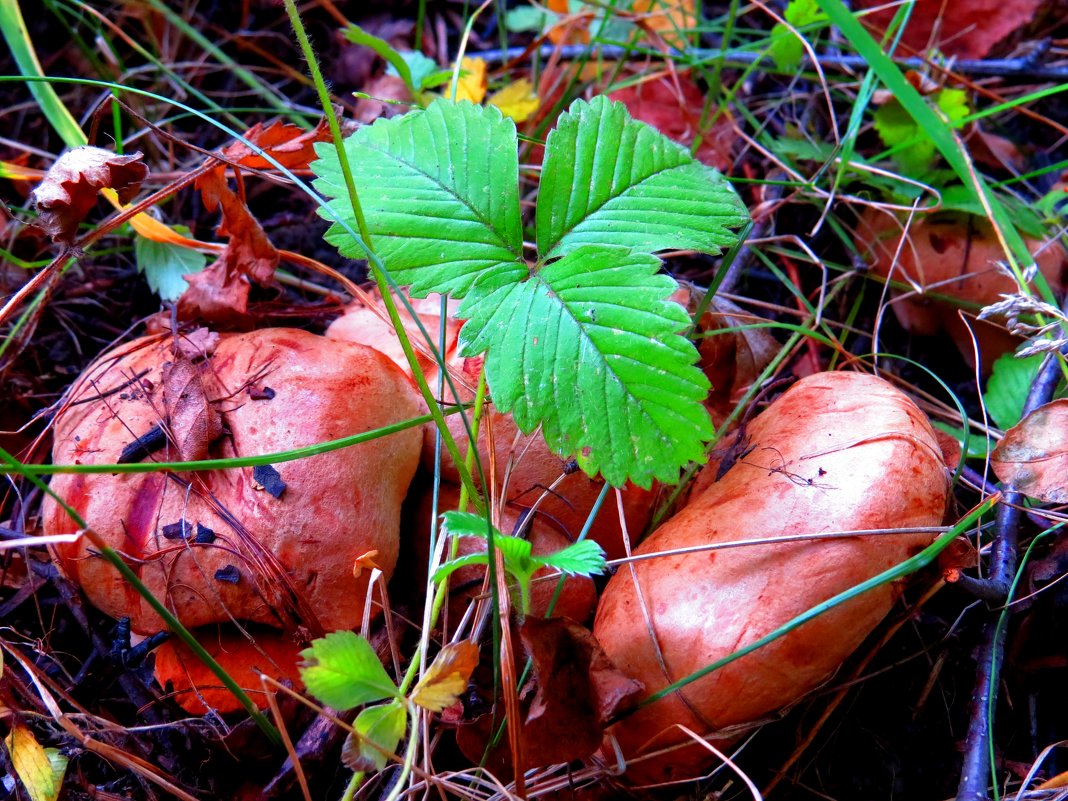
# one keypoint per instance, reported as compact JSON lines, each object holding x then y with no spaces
{"x":975,"y":770}
{"x":1027,"y":67}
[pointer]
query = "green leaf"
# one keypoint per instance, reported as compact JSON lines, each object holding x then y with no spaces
{"x":342,"y":670}
{"x":453,"y":565}
{"x":164,"y":264}
{"x":378,"y":732}
{"x":611,"y":180}
{"x":786,"y":49}
{"x":589,"y":349}
{"x":468,"y":524}
{"x":582,"y":558}
{"x":420,"y":68}
{"x":440,"y":193}
{"x":526,"y":19}
{"x":915,"y":149}
{"x":1007,"y":388}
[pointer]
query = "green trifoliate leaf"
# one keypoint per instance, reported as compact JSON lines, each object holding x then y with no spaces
{"x":583,"y":558}
{"x":164,"y":264}
{"x":611,"y":180}
{"x":378,"y":732}
{"x":342,"y":670}
{"x":590,"y":349}
{"x":440,"y":193}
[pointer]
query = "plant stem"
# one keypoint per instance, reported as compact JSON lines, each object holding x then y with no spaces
{"x":378,"y":269}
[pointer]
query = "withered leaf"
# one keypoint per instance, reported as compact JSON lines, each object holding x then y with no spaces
{"x":574,"y":690}
{"x":1032,"y":457}
{"x":378,"y":732}
{"x":194,"y":422}
{"x":69,"y":188}
{"x":288,"y":144}
{"x":446,"y":679}
{"x":270,"y":479}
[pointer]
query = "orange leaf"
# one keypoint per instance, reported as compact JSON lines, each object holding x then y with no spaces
{"x":288,"y":144}
{"x":447,"y":678}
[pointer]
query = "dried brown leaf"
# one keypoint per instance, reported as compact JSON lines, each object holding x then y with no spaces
{"x":574,"y":690}
{"x":194,"y":423}
{"x":69,"y":189}
{"x":1032,"y":457}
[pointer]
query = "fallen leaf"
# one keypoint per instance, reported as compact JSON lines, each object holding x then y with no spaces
{"x":472,"y":83}
{"x":39,"y":769}
{"x":573,"y":691}
{"x":446,"y":679}
{"x":964,"y":29}
{"x":69,"y":188}
{"x":193,"y":421}
{"x":1032,"y":457}
{"x":288,"y":144}
{"x":675,"y":109}
{"x":517,"y":100}
{"x":572,"y":28}
{"x":220,"y":293}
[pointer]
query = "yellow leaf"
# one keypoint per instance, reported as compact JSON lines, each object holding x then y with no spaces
{"x":447,"y":678}
{"x":517,"y":100}
{"x":669,"y":18}
{"x":472,"y":83}
{"x":39,"y":769}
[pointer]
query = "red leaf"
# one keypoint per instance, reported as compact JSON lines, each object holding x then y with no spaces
{"x":965,"y":29}
{"x":290,"y":145}
{"x":69,"y":189}
{"x":674,"y":109}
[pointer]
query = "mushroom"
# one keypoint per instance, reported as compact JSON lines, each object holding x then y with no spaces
{"x":272,"y":544}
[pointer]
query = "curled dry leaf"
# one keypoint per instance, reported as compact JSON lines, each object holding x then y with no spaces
{"x":573,"y":691}
{"x":1032,"y":457}
{"x":220,"y":293}
{"x":68,"y":190}
{"x":447,"y":677}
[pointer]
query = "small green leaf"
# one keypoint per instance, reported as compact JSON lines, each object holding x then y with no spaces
{"x":342,"y":670}
{"x":582,"y":558}
{"x":590,"y":348}
{"x":440,"y":193}
{"x":420,"y":68}
{"x":378,"y":733}
{"x":453,"y":565}
{"x":786,"y":49}
{"x":526,"y":19}
{"x":611,"y":180}
{"x":164,"y":264}
{"x":1007,"y":388}
{"x":914,"y":149}
{"x":468,"y":524}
